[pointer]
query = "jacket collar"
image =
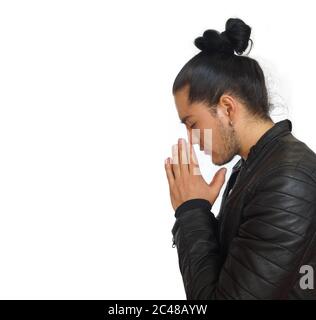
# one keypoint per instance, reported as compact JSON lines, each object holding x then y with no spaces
{"x":279,"y":129}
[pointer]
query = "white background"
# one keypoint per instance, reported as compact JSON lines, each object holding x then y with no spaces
{"x":87,"y":118}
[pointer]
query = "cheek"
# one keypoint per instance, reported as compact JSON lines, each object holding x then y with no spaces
{"x":217,"y":142}
{"x":208,"y":139}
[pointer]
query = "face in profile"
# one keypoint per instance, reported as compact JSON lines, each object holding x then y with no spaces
{"x":210,"y":130}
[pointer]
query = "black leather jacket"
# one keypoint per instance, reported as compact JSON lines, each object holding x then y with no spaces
{"x":265,"y":230}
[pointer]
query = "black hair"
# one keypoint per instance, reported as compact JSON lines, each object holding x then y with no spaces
{"x":217,"y":70}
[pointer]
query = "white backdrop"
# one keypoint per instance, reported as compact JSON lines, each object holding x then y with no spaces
{"x":87,"y":118}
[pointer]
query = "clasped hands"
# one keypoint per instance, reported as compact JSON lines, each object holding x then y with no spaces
{"x":184,"y":177}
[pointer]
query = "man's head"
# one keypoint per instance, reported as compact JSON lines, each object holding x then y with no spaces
{"x":222,"y":91}
{"x":220,"y":139}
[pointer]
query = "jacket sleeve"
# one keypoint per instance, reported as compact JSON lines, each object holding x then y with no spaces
{"x":265,"y":255}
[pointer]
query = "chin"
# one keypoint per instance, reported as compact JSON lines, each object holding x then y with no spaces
{"x":214,"y":159}
{"x":217,"y":160}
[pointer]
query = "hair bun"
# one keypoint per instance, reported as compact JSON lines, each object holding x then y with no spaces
{"x":238,"y":32}
{"x":235,"y":38}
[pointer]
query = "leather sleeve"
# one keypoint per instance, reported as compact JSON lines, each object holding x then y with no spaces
{"x":191,"y":204}
{"x":264,"y":257}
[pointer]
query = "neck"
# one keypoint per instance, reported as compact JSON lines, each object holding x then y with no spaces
{"x":250,"y":133}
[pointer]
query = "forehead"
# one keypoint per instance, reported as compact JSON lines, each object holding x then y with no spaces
{"x":181,"y":100}
{"x":183,"y":105}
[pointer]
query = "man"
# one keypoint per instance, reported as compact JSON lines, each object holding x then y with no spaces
{"x":262,"y":244}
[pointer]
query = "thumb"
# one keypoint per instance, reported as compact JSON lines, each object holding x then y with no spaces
{"x":218,"y":181}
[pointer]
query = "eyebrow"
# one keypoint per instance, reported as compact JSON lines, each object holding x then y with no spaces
{"x":183,"y":120}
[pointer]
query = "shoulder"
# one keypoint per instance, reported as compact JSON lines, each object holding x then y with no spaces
{"x":290,"y":163}
{"x":292,"y":152}
{"x":287,"y":188}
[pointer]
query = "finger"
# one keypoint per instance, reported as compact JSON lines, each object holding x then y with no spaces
{"x":193,"y":162}
{"x":189,"y":134}
{"x":183,"y":157}
{"x":175,"y":161}
{"x":169,"y":172}
{"x":218,"y":180}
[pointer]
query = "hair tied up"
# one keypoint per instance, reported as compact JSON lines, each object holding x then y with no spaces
{"x":235,"y":38}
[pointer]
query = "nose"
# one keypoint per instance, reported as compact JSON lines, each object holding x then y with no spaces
{"x":194,"y":137}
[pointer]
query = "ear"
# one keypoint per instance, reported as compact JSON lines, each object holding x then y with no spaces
{"x":227,"y":107}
